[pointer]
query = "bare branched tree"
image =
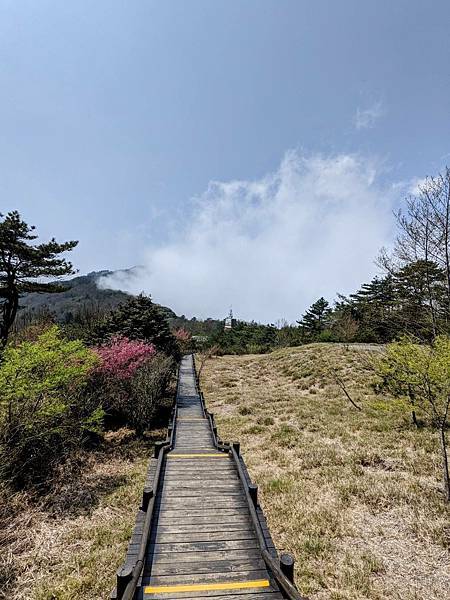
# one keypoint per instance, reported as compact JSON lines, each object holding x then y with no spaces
{"x":206,"y":355}
{"x":424,"y":235}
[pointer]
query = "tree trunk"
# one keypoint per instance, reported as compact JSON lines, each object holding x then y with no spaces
{"x":413,"y":412}
{"x":428,"y":282}
{"x":9,"y":311}
{"x":446,"y":251}
{"x":444,"y":461}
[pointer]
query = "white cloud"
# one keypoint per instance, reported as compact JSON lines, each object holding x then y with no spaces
{"x":271,"y":247}
{"x":365,"y":118}
{"x":416,"y":185}
{"x":410,"y":187}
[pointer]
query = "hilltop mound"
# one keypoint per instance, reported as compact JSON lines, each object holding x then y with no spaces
{"x":354,"y":494}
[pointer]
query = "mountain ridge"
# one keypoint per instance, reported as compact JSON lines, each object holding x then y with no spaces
{"x":79,"y":292}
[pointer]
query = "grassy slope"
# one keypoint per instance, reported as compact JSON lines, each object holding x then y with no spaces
{"x":355,"y":496}
{"x":70,"y":545}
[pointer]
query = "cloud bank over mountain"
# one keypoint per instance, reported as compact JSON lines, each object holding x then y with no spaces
{"x":272,"y":246}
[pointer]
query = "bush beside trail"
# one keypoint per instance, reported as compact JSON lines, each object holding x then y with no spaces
{"x":58,"y":396}
{"x":44,"y":412}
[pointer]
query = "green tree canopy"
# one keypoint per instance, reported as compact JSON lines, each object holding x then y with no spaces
{"x":139,"y":319}
{"x":43,"y":410}
{"x":316,"y":318}
{"x":419,"y":376}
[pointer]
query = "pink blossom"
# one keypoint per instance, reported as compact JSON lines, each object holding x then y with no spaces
{"x":182,"y":335}
{"x":121,"y":357}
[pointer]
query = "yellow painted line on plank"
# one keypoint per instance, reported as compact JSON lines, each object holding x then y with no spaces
{"x":197,"y":456}
{"x":205,"y":587}
{"x":189,"y":419}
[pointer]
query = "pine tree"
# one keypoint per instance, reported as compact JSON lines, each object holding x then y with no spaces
{"x":139,"y":319}
{"x":316,"y":318}
{"x":23,"y":265}
{"x":373,"y":307}
{"x":420,"y":298}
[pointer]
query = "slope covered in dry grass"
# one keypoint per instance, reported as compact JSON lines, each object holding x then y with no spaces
{"x":68,"y":544}
{"x":354,"y":495}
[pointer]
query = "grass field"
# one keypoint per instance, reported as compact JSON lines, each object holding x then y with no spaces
{"x":68,"y":545}
{"x":355,"y":495}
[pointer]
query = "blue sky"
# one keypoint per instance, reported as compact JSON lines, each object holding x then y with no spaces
{"x":117,"y":117}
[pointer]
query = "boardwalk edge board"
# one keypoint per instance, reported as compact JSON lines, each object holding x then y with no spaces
{"x":182,"y":544}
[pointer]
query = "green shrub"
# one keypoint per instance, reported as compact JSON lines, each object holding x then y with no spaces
{"x":325,"y":336}
{"x":418,"y":376}
{"x":134,"y":401}
{"x":138,"y":319}
{"x":45,"y":411}
{"x":148,"y":387}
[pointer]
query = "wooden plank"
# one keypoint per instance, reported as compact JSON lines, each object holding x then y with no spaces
{"x":204,"y":546}
{"x":232,"y":523}
{"x":198,"y":527}
{"x":195,"y":478}
{"x":199,"y":567}
{"x":212,"y":519}
{"x":206,"y":470}
{"x":217,"y":577}
{"x":192,"y":492}
{"x":213,"y":487}
{"x":185,"y":513}
{"x":225,"y":482}
{"x":248,"y":595}
{"x":200,"y":457}
{"x":243,"y":593}
{"x":243,"y":554}
{"x":205,"y":502}
{"x":202,"y":536}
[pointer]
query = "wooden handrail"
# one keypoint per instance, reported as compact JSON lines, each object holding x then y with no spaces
{"x":128,"y":593}
{"x":136,"y":570}
{"x":288,"y":588}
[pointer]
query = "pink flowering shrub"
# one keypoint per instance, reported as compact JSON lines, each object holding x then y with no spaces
{"x":121,"y":357}
{"x":184,"y":339}
{"x":131,"y":382}
{"x":182,"y":335}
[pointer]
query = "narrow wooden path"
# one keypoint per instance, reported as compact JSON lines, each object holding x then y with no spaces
{"x":202,"y":539}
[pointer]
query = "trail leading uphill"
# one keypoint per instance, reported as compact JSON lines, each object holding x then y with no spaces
{"x":200,"y":531}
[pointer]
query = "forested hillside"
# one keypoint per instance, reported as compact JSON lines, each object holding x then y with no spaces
{"x":79,"y":296}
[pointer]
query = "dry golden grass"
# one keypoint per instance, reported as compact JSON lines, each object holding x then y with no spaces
{"x":69,"y":545}
{"x":354,"y":495}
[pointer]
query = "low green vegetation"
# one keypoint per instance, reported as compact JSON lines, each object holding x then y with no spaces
{"x":44,"y":412}
{"x":418,"y":376}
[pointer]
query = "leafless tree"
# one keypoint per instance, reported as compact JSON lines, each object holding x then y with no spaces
{"x":424,"y":235}
{"x":206,"y":355}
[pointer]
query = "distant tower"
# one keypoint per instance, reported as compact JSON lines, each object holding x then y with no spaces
{"x":229,"y":320}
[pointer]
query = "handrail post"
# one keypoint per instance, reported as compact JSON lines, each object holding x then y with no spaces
{"x":157,"y":449}
{"x":124,"y":576}
{"x":253,"y":490}
{"x":287,"y":566}
{"x":237,"y":447}
{"x":147,"y":494}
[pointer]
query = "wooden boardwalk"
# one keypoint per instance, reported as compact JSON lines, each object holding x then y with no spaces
{"x":202,"y":538}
